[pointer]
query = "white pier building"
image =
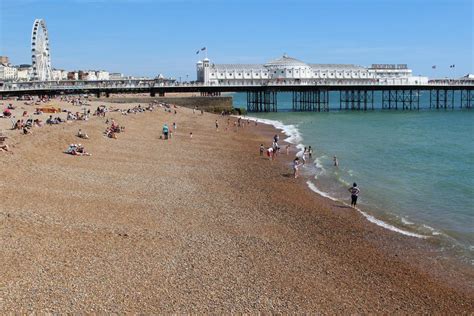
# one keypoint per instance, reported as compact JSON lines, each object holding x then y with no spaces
{"x":288,"y":70}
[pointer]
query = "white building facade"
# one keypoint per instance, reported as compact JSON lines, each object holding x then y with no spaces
{"x":116,"y":76}
{"x":102,"y":75}
{"x":59,"y":74}
{"x":8,"y":73}
{"x":23,"y":74}
{"x":288,"y":70}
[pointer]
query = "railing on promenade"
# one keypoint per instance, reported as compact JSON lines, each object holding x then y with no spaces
{"x":152,"y":84}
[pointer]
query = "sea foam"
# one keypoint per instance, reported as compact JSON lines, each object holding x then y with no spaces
{"x":370,"y":218}
{"x":294,"y":137}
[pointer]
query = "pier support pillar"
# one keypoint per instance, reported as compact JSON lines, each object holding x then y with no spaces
{"x":356,"y":100}
{"x":261,"y":101}
{"x":467,"y":99}
{"x":161,"y":93}
{"x":310,"y":101}
{"x":441,"y":99}
{"x":406,"y":99}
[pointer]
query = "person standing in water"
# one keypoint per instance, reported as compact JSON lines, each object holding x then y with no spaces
{"x":336,"y":162}
{"x":354,"y":194}
{"x":296,"y":165}
{"x":310,"y":152}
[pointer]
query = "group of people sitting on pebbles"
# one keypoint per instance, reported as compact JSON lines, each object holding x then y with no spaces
{"x":25,"y":126}
{"x":78,"y":116}
{"x":113,"y":129}
{"x":77,"y":150}
{"x":7,"y":112}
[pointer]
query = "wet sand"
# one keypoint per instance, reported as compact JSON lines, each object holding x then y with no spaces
{"x":198,"y":224}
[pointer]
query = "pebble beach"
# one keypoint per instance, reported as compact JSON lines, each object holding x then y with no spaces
{"x":199,"y":224}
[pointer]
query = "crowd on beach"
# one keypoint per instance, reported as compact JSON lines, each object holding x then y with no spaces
{"x":299,"y":161}
{"x":27,"y":123}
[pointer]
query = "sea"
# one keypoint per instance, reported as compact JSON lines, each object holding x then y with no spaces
{"x":415,"y":169}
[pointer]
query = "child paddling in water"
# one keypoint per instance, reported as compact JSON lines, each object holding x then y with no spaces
{"x":296,"y":165}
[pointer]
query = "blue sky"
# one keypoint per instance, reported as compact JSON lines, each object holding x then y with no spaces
{"x":146,"y":37}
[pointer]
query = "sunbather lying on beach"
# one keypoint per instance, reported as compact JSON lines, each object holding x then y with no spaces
{"x":81,"y":134}
{"x":3,"y":146}
{"x":7,"y":113}
{"x":77,"y":150}
{"x":38,"y":123}
{"x":26,"y":130}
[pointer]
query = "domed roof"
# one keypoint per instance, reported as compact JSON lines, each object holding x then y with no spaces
{"x":199,"y":62}
{"x":286,"y":61}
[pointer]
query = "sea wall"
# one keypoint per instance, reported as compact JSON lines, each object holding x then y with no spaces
{"x":208,"y":104}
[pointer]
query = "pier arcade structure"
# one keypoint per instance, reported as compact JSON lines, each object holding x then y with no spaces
{"x":293,"y":72}
{"x":262,"y":97}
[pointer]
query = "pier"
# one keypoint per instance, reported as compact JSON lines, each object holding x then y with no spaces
{"x":353,"y":95}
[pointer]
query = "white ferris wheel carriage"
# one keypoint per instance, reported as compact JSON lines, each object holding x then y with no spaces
{"x":40,"y":56}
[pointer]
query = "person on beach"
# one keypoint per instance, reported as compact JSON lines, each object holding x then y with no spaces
{"x":296,"y":165}
{"x":262,"y":149}
{"x":310,"y":152}
{"x":354,"y":194}
{"x":270,"y":153}
{"x":191,"y":135}
{"x":275,"y":148}
{"x":174,"y":126}
{"x":336,"y":162}
{"x":3,"y":146}
{"x":81,"y":134}
{"x":276,"y":138}
{"x":26,"y":131}
{"x":217,"y":125}
{"x":77,"y":150}
{"x":287,"y":149}
{"x":165,"y":131}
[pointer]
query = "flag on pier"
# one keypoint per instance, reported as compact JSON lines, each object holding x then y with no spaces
{"x":200,"y":50}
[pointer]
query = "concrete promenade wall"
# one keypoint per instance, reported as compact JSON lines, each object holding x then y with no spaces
{"x":208,"y":104}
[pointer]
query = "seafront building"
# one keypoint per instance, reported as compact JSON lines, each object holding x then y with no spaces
{"x":8,"y":72}
{"x":288,"y":70}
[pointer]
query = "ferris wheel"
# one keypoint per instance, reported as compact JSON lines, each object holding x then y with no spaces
{"x":40,"y":57}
